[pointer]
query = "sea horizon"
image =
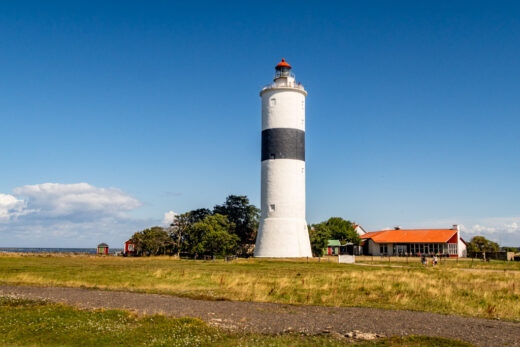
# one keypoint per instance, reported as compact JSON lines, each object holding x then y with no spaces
{"x":89,"y":250}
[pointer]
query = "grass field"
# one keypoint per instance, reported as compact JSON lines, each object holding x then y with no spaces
{"x":444,"y":289}
{"x":24,"y":322}
{"x":452,"y":263}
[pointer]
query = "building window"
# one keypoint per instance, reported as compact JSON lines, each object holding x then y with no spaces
{"x":272,"y":156}
{"x":272,"y":207}
{"x":272,"y":101}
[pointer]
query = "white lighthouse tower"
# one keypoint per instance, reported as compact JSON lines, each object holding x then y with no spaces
{"x":283,"y":229}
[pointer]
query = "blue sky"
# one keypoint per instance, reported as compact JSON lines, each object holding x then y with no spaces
{"x":114,"y":113}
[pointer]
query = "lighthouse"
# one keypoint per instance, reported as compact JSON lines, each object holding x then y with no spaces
{"x":283,"y":230}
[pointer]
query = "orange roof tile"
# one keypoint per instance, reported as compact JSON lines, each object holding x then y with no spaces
{"x":411,"y":235}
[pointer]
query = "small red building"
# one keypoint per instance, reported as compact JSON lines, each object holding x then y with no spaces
{"x":102,"y":248}
{"x":130,"y":248}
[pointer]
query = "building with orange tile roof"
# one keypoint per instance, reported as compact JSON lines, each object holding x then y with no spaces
{"x":414,"y":242}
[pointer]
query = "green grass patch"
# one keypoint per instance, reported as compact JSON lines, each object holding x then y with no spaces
{"x":28,"y":323}
{"x":443,"y":289}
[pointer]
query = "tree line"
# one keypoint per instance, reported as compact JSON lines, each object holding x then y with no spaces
{"x":231,"y":228}
{"x":227,"y":229}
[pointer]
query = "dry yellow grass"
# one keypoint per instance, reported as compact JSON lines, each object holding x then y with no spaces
{"x":444,"y":289}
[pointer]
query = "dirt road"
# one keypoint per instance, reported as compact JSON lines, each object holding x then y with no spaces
{"x":278,"y":318}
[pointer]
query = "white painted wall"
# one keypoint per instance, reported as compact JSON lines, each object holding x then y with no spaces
{"x":461,"y":246}
{"x":346,"y":259}
{"x":359,"y":230}
{"x":283,"y":108}
{"x":283,"y":229}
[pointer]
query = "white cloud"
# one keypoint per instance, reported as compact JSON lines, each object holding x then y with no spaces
{"x":168,"y":218}
{"x":57,"y":200}
{"x":504,"y":230}
{"x":478,"y":229}
{"x":10,"y":207}
{"x":67,"y":215}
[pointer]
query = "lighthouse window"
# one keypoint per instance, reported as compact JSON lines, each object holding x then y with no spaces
{"x":303,"y":105}
{"x":273,"y":101}
{"x":272,"y":156}
{"x":272,"y":207}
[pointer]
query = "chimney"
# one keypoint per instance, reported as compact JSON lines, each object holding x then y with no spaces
{"x":459,"y":250}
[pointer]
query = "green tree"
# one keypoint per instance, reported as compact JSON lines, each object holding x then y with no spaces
{"x":243,"y":215}
{"x":319,"y":234}
{"x":479,"y":244}
{"x":211,"y":236}
{"x":340,"y":229}
{"x":220,"y":242}
{"x":153,"y":241}
{"x":180,"y":229}
{"x":197,"y":215}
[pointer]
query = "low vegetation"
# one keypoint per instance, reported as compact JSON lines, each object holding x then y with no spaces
{"x":443,"y":289}
{"x":24,"y":322}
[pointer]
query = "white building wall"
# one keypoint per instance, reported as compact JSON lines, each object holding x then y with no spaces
{"x":359,"y":230}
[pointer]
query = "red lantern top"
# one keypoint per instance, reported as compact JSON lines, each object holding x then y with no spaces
{"x":282,"y":64}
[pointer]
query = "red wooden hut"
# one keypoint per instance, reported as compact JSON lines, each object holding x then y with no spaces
{"x":130,"y":248}
{"x":102,"y":248}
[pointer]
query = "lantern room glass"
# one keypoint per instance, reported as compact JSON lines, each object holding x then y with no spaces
{"x":283,"y":71}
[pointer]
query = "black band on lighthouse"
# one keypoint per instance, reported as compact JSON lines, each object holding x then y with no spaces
{"x":283,"y":143}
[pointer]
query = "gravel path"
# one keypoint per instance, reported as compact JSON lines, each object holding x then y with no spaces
{"x":278,"y":318}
